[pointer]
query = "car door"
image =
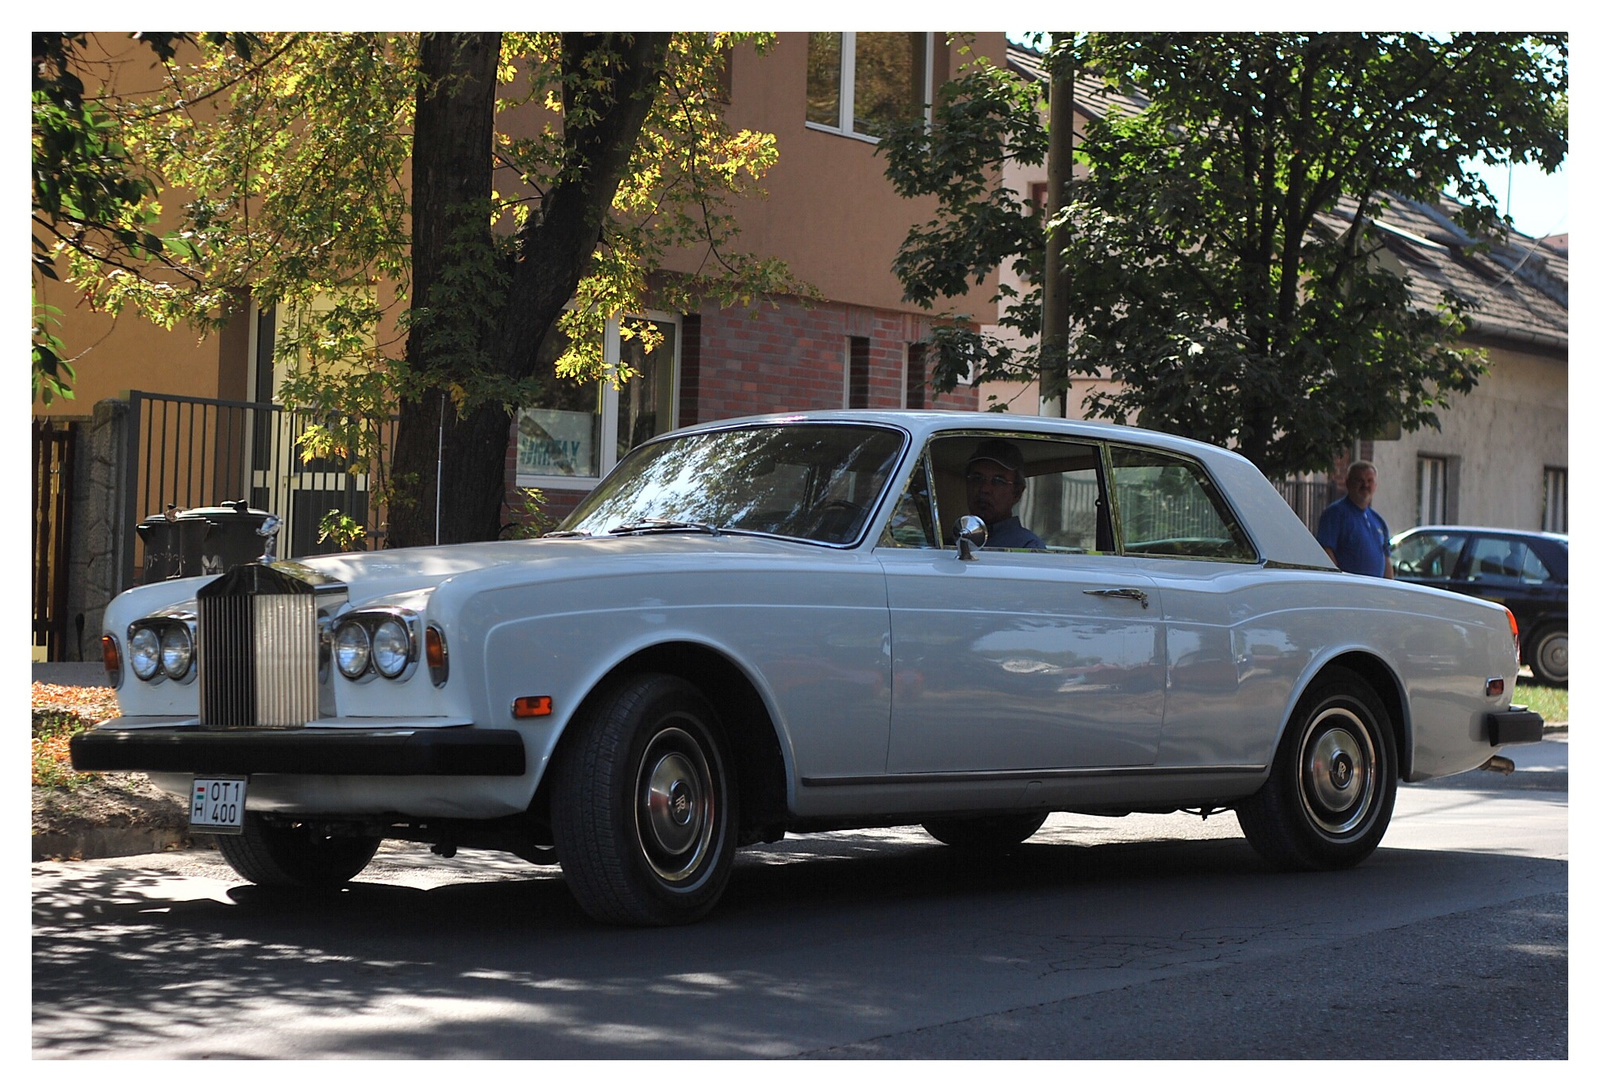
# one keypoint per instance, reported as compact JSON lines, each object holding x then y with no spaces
{"x":1231,"y":663}
{"x":1019,"y":659}
{"x":1504,"y":568}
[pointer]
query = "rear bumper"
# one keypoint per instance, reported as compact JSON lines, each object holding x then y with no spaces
{"x":1517,"y":725}
{"x":488,"y":752}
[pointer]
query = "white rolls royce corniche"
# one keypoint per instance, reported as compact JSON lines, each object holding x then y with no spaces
{"x":810,"y":622}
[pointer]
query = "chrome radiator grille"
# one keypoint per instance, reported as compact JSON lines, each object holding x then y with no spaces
{"x":258,"y":650}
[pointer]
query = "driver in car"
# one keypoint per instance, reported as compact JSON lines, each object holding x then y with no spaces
{"x":996,"y":478}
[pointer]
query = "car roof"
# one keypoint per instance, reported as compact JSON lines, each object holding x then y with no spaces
{"x":924,"y":422}
{"x":1469,"y":529}
{"x":1278,"y":533}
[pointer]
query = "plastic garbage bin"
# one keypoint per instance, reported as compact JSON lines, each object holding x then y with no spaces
{"x":226,"y":536}
{"x":163,"y":557}
{"x":201,"y":541}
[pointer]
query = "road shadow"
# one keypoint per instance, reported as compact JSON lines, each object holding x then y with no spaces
{"x":134,"y":958}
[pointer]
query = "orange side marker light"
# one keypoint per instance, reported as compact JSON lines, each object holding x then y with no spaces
{"x":532,"y":707}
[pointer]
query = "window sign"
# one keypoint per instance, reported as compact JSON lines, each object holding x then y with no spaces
{"x":579,"y":429}
{"x":559,"y":443}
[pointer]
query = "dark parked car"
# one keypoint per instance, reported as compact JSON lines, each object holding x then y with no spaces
{"x":1524,"y":570}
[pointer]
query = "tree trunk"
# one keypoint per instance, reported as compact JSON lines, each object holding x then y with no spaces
{"x":450,"y":202}
{"x":451,"y":176}
{"x":1054,"y":378}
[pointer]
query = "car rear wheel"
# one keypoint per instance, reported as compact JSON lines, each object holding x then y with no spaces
{"x":1330,"y":794}
{"x":986,"y":832}
{"x":1548,"y":657}
{"x":273,"y":855}
{"x":643,"y":805}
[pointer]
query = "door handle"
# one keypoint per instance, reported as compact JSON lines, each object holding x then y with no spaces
{"x":1121,"y":593}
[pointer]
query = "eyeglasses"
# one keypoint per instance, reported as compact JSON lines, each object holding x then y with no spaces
{"x":997,"y":480}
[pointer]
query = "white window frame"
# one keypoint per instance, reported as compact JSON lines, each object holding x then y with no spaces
{"x":612,"y":349}
{"x":847,"y":88}
{"x":1433,"y":489}
{"x":1553,"y":516}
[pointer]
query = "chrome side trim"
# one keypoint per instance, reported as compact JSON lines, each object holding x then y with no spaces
{"x":967,"y":776}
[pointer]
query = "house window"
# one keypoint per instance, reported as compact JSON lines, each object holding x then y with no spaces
{"x":579,"y":430}
{"x":1431,"y":479}
{"x":1039,"y":199}
{"x":916,"y":375}
{"x":861,"y":84}
{"x":1555,"y":499}
{"x":858,"y":374}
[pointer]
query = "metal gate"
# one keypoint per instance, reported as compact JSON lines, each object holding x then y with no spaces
{"x":54,"y":450}
{"x":199,"y":452}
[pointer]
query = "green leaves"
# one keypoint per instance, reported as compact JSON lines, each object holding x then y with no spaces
{"x":1224,"y":272}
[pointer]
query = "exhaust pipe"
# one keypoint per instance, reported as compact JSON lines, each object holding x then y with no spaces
{"x":1499,"y":764}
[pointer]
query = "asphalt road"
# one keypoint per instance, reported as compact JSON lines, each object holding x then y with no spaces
{"x":1141,"y":938}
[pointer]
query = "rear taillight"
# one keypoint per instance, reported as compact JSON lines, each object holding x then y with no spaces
{"x":1516,"y":636}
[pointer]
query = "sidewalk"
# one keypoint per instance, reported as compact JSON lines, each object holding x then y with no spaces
{"x":91,"y":673}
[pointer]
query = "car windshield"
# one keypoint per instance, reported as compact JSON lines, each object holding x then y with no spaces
{"x":818,"y":482}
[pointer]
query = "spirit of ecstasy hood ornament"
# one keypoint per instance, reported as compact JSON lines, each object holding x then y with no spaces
{"x":269,"y":534}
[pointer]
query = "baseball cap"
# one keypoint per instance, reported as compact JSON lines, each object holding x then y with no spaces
{"x":1003,"y":452}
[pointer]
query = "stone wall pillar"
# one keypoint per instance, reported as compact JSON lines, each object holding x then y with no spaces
{"x":94,"y":571}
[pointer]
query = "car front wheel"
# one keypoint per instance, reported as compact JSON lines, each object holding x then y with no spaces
{"x":293,"y":855}
{"x":1330,"y":794}
{"x":643,"y":805}
{"x":1548,"y":657}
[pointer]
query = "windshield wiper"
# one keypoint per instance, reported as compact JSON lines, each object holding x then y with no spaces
{"x":580,"y":533}
{"x":655,"y":526}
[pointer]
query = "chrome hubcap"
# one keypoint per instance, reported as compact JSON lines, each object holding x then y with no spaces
{"x":1553,"y":657}
{"x":677,"y":804}
{"x":1338,"y":776}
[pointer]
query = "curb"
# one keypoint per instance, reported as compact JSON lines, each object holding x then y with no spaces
{"x":93,"y":845}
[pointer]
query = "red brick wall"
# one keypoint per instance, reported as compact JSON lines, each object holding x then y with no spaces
{"x":783,"y":357}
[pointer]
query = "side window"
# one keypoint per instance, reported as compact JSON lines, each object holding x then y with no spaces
{"x":1169,"y":508}
{"x":1504,"y":561}
{"x":1429,"y":555}
{"x":1033,"y":492}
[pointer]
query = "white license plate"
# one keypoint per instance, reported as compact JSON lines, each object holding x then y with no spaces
{"x":216,"y":805}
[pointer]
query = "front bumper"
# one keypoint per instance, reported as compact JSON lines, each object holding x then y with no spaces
{"x":389,"y":751}
{"x":1517,"y":725}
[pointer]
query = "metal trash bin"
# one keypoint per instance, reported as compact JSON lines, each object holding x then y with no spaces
{"x":201,"y":541}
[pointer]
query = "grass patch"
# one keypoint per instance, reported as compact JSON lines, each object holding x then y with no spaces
{"x":1550,"y":702}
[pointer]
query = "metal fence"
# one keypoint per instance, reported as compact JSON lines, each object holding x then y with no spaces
{"x":1308,"y":498}
{"x":201,"y":452}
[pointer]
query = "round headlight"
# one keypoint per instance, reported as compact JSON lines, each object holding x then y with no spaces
{"x":144,"y":652}
{"x":177,"y":651}
{"x":391,"y":648}
{"x":352,"y":650}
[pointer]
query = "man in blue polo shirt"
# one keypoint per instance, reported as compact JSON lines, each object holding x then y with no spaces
{"x":1355,"y":536}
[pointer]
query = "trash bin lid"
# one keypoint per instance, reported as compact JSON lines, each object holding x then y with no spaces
{"x":227,"y":512}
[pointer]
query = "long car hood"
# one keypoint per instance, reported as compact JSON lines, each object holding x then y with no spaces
{"x":385,"y":572}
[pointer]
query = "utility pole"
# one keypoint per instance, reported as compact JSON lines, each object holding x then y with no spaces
{"x":1058,"y":172}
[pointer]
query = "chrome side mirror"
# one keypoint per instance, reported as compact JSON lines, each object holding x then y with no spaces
{"x":971,"y":534}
